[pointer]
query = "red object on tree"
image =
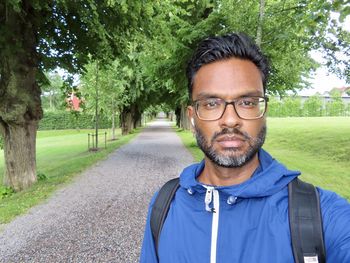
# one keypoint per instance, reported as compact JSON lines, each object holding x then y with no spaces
{"x":74,"y":102}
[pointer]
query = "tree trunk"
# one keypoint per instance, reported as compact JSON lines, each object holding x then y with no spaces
{"x":50,"y":100}
{"x":185,"y":123}
{"x":20,"y":155}
{"x":138,"y":121}
{"x":113,"y":118}
{"x":126,"y":121}
{"x":136,"y":116}
{"x":260,"y":22}
{"x":178,"y":116}
{"x":171,"y":116}
{"x":96,"y":104}
{"x":20,"y":107}
{"x":113,"y":125}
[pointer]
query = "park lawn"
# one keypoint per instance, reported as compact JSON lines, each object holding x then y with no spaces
{"x":318,"y":147}
{"x":61,"y":154}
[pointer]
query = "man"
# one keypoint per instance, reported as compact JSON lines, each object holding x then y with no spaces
{"x":233,"y":206}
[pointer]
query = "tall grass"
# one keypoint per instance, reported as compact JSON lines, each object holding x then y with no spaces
{"x":61,"y":154}
{"x":319,"y":147}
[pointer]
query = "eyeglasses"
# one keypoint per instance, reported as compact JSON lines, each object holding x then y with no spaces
{"x":247,"y":108}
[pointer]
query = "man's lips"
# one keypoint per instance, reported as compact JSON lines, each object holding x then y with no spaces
{"x":230,"y":141}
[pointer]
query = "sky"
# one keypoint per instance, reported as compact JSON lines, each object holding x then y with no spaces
{"x":323,"y":80}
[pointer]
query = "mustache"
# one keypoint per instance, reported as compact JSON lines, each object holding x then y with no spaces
{"x":231,"y":131}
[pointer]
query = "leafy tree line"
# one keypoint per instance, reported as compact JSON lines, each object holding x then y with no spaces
{"x":131,"y":55}
{"x":314,"y":106}
{"x":60,"y":120}
{"x":41,"y":35}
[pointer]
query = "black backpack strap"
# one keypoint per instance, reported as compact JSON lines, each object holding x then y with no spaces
{"x":305,"y":222}
{"x":161,"y":207}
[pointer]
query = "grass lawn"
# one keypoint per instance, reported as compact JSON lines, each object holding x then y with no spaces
{"x":61,"y":154}
{"x":319,"y":147}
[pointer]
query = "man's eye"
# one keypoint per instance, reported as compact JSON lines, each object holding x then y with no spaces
{"x":249,"y":102}
{"x":211,"y":104}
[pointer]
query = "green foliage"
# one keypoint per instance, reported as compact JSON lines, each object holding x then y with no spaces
{"x":5,"y":192}
{"x":41,"y":176}
{"x":335,"y":107}
{"x":285,"y":107}
{"x":51,"y":97}
{"x":274,"y":107}
{"x":1,"y":142}
{"x":105,"y":86}
{"x":293,"y":105}
{"x":313,"y":106}
{"x":66,"y":120}
{"x":290,"y":30}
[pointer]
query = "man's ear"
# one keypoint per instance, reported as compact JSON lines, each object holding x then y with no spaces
{"x":190,"y":114}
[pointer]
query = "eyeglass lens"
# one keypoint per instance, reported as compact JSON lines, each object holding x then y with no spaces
{"x":246,"y":108}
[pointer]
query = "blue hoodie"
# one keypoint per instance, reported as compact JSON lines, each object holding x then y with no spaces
{"x":243,"y":223}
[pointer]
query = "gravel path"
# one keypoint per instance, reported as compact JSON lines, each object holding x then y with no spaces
{"x":100,"y":217}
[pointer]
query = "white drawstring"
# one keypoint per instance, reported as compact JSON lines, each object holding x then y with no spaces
{"x":209,"y":198}
{"x":212,"y":198}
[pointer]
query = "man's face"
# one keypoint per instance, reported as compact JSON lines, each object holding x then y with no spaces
{"x":229,"y":141}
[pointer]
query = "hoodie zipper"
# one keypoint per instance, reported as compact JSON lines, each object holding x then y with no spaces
{"x":212,"y":196}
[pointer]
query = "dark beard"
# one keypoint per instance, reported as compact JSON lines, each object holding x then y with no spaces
{"x":230,"y":160}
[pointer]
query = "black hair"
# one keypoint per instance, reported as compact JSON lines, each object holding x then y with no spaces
{"x":234,"y":45}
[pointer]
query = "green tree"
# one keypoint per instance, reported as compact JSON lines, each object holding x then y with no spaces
{"x":292,"y":105}
{"x":313,"y":106}
{"x":51,"y":91}
{"x":40,"y":35}
{"x":286,"y":31}
{"x":348,"y":110}
{"x":274,"y":107}
{"x":109,"y":83}
{"x":335,"y":107}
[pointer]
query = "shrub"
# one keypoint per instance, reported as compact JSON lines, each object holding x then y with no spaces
{"x":5,"y":192}
{"x":292,"y":106}
{"x":60,"y":120}
{"x":313,"y":106}
{"x":41,"y":176}
{"x":274,"y":107}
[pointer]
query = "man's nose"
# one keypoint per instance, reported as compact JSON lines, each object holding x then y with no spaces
{"x":230,"y":117}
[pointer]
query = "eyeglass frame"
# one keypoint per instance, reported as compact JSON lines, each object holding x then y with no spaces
{"x":233,"y":103}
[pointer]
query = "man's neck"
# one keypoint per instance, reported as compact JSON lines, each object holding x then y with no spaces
{"x":214,"y":174}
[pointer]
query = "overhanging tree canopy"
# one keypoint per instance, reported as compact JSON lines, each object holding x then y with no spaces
{"x":37,"y":35}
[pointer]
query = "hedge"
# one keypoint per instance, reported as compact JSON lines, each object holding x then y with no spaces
{"x":314,"y":106}
{"x":61,"y":120}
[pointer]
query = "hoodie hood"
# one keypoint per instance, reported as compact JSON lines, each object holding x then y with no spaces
{"x":269,"y":178}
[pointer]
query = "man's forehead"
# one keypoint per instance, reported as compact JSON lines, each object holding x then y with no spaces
{"x":231,"y":77}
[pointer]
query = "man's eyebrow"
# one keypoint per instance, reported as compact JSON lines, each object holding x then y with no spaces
{"x":252,"y":93}
{"x":204,"y":95}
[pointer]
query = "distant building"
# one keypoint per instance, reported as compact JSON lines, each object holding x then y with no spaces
{"x":344,"y":91}
{"x":73,"y":102}
{"x":326,"y":98}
